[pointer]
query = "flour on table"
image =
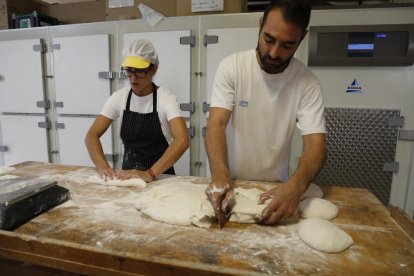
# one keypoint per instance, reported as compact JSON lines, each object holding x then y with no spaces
{"x":312,"y":191}
{"x":323,"y":235}
{"x":8,"y":176}
{"x":184,"y":203}
{"x":6,"y":170}
{"x":132,"y":182}
{"x":318,"y":207}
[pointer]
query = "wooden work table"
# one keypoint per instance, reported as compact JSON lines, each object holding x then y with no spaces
{"x":100,"y":232}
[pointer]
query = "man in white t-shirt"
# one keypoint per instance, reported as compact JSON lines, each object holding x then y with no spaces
{"x":264,"y":93}
{"x":153,"y":131}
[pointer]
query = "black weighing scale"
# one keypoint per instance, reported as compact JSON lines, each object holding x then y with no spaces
{"x":22,"y":199}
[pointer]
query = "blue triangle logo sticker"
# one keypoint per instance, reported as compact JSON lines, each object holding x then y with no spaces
{"x":355,"y":87}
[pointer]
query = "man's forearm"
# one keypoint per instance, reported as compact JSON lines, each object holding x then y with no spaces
{"x":216,"y":147}
{"x":311,"y":161}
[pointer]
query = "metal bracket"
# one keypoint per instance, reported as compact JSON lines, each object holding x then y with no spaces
{"x":54,"y":46}
{"x":39,"y":48}
{"x":111,"y":157}
{"x":396,"y":121}
{"x":210,"y":39}
{"x":43,"y":104}
{"x":406,"y":135}
{"x":121,"y":76}
{"x":59,"y":125}
{"x":206,"y":107}
{"x":191,"y":131}
{"x":44,"y":124}
{"x":57,"y":104}
{"x":203,"y":131}
{"x":3,"y":148}
{"x":188,"y":40}
{"x":188,"y":107}
{"x":107,"y":75}
{"x":391,"y":167}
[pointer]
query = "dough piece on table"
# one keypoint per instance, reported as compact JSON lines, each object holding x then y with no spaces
{"x":5,"y":169}
{"x":8,"y":176}
{"x":184,"y":203}
{"x":323,"y":235}
{"x":312,"y":191}
{"x":177,"y":202}
{"x":246,"y":207}
{"x":318,"y":207}
{"x":133,"y":182}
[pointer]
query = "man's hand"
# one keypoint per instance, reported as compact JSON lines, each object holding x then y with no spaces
{"x":128,"y":174}
{"x":284,"y":202}
{"x":221,"y":196}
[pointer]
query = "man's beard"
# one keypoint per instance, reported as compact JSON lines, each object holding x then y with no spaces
{"x":272,"y":66}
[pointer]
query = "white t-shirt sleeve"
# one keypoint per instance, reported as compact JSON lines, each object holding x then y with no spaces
{"x":223,"y":93}
{"x":310,"y":114}
{"x":113,"y":106}
{"x":170,"y":106}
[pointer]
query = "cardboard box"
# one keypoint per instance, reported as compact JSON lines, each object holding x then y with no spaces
{"x":80,"y":12}
{"x":230,"y":6}
{"x":8,"y":7}
{"x":165,"y":7}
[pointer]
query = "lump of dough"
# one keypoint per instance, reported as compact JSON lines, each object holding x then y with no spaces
{"x":318,"y":207}
{"x":132,"y":182}
{"x":312,"y":191}
{"x":246,"y":207}
{"x":323,"y":235}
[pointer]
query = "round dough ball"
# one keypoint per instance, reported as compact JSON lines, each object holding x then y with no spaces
{"x":318,"y":207}
{"x":323,"y":235}
{"x":312,"y":191}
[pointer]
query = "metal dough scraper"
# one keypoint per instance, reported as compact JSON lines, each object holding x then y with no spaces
{"x":22,"y":199}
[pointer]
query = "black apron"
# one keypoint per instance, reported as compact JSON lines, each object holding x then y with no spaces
{"x":142,"y":136}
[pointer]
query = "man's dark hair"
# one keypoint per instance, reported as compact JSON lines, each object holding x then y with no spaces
{"x":293,"y":11}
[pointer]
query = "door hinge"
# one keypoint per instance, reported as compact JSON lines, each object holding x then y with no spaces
{"x":206,"y":107}
{"x":406,"y":135}
{"x":188,"y":40}
{"x":188,"y":107}
{"x":43,"y":104}
{"x":45,"y":124}
{"x":391,"y":167}
{"x":107,"y":75}
{"x":191,"y":131}
{"x":57,"y":104}
{"x":59,"y":125}
{"x":210,"y":39}
{"x":111,"y":157}
{"x":53,"y":46}
{"x":203,"y":131}
{"x":39,"y":47}
{"x":3,"y":148}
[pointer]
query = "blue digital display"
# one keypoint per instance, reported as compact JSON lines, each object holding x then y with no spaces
{"x":360,"y":46}
{"x":381,"y":35}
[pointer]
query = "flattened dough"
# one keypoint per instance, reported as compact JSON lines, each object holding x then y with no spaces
{"x":179,"y":202}
{"x":323,"y":235}
{"x":6,"y":170}
{"x":318,"y":207}
{"x":312,"y":191}
{"x":133,"y":182}
{"x":8,"y":176}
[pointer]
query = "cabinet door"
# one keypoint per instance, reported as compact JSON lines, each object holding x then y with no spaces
{"x":72,"y":148}
{"x":21,"y":76}
{"x":24,"y":139}
{"x":173,"y":72}
{"x":230,"y":40}
{"x":77,"y":63}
